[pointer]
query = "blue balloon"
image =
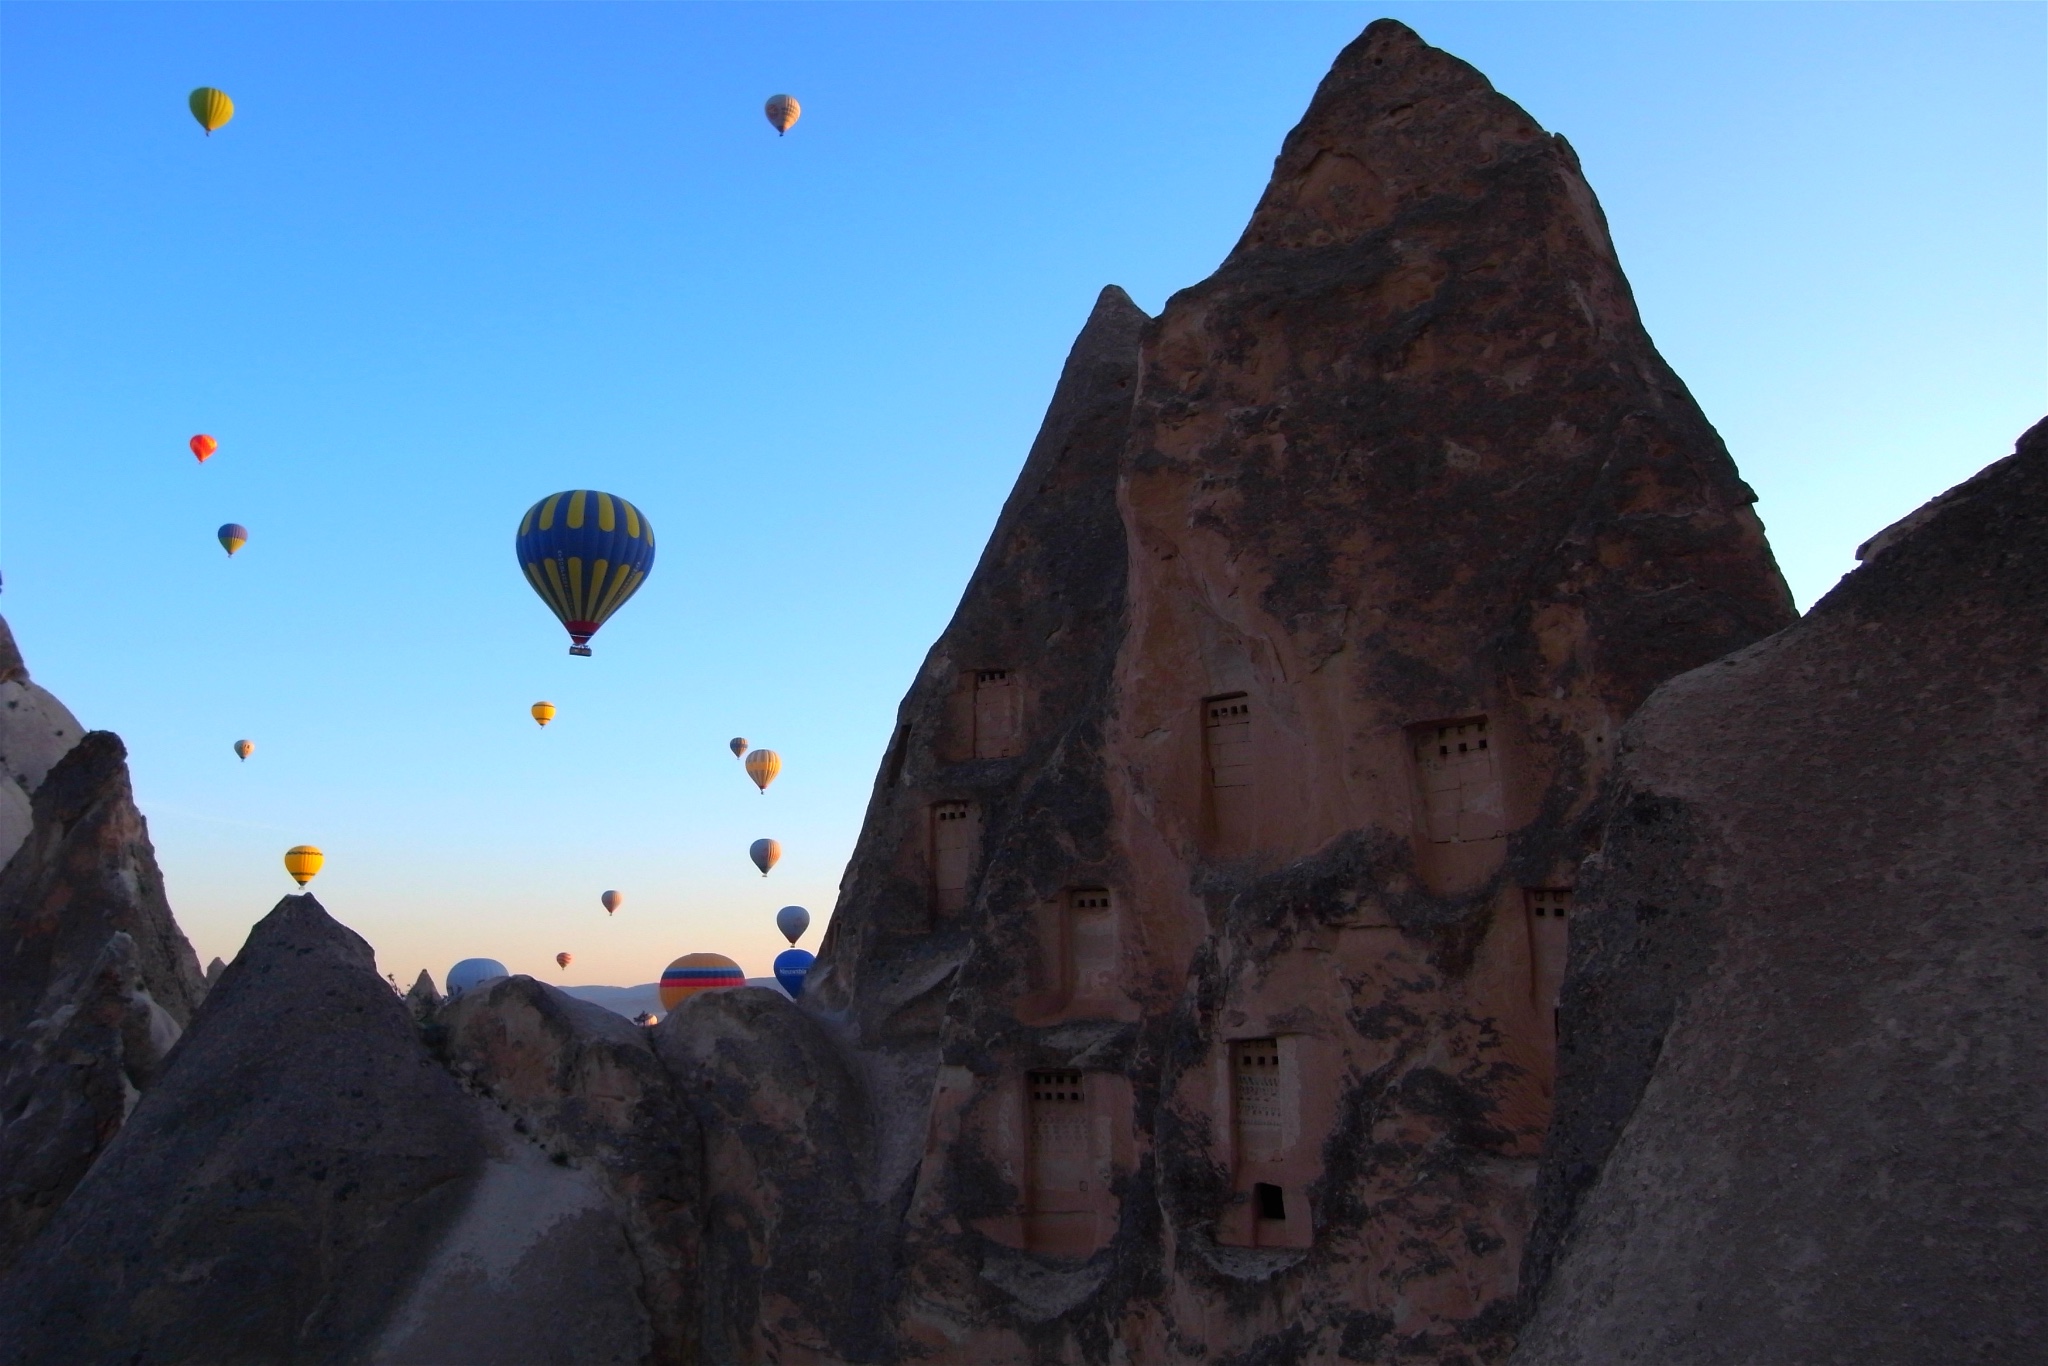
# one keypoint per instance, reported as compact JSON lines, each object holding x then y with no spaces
{"x":471,"y":973}
{"x":585,"y":553}
{"x":791,"y":967}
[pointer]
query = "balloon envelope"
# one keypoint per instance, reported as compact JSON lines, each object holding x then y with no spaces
{"x":792,"y":921}
{"x":302,"y":861}
{"x":244,"y":748}
{"x":585,"y":553}
{"x":211,"y":107}
{"x":791,"y":967}
{"x":233,"y":536}
{"x":738,"y":745}
{"x":202,"y":446}
{"x":543,"y":712}
{"x":472,"y":973}
{"x":612,"y":901}
{"x":765,"y":854}
{"x":563,"y":960}
{"x":762,"y":766}
{"x":695,"y":972}
{"x":783,"y":111}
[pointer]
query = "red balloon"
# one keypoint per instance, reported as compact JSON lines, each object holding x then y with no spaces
{"x":203,"y":446}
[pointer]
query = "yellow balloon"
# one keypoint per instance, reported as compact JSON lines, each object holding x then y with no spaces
{"x":543,"y":712}
{"x":783,"y":111}
{"x":762,"y":766}
{"x":211,"y":107}
{"x":302,"y":861}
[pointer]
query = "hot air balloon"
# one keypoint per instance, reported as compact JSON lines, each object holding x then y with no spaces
{"x":762,"y":766}
{"x":233,"y":537}
{"x":563,"y":960}
{"x":792,"y":921}
{"x":211,"y":107}
{"x":765,"y":854}
{"x":543,"y":712}
{"x":302,"y":861}
{"x":244,"y":748}
{"x":738,"y":745}
{"x":585,"y":553}
{"x":645,"y":1019}
{"x":472,"y":973}
{"x":202,"y":446}
{"x":791,"y":967}
{"x":612,"y":901}
{"x":782,"y":110}
{"x":695,"y":972}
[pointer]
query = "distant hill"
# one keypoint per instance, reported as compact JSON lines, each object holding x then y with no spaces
{"x":631,"y":1001}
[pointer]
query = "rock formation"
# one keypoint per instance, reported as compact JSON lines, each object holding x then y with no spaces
{"x":584,"y":1085}
{"x":1206,"y":925}
{"x":36,"y":730}
{"x":1805,"y":1081}
{"x":98,"y":980}
{"x":275,"y":1192}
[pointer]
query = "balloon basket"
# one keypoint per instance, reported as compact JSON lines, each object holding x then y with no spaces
{"x":583,"y":650}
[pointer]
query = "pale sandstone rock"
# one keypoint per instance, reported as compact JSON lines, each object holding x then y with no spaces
{"x":36,"y":730}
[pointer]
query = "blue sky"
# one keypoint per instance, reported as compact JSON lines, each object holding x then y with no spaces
{"x":450,"y":258}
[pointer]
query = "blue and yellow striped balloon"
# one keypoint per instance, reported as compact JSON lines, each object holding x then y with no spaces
{"x":585,"y":553}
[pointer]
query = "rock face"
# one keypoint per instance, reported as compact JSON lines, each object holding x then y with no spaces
{"x":795,"y":1266}
{"x":276,"y":1191}
{"x":1805,"y":1080}
{"x":96,"y":980}
{"x":36,"y":730}
{"x":583,"y":1085}
{"x":1199,"y":956}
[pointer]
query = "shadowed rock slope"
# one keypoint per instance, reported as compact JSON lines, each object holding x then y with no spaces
{"x":275,"y":1192}
{"x":1805,"y":1087}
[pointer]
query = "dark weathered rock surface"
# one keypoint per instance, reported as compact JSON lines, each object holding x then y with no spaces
{"x":1805,"y":1084}
{"x":277,"y":1191}
{"x":583,"y":1085}
{"x":796,"y":1260}
{"x":96,"y":982}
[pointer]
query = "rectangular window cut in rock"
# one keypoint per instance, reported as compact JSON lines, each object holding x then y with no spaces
{"x":1549,"y":941}
{"x":1068,"y":1180}
{"x":1269,"y":1201}
{"x":998,"y":714}
{"x":1091,"y":945}
{"x":1459,"y":772}
{"x":956,"y":838}
{"x":1228,"y":751}
{"x":1257,"y":1099}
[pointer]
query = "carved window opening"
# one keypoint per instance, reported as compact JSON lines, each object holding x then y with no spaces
{"x":1259,"y":1104}
{"x":1549,"y":943}
{"x":1460,"y":777}
{"x":956,"y":838}
{"x":1269,"y":1200}
{"x":1065,"y":1185}
{"x":1228,"y":751}
{"x":1090,"y":934}
{"x":998,"y":714}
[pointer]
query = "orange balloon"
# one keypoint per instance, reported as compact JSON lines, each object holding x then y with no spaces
{"x":202,"y":446}
{"x":562,"y":960}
